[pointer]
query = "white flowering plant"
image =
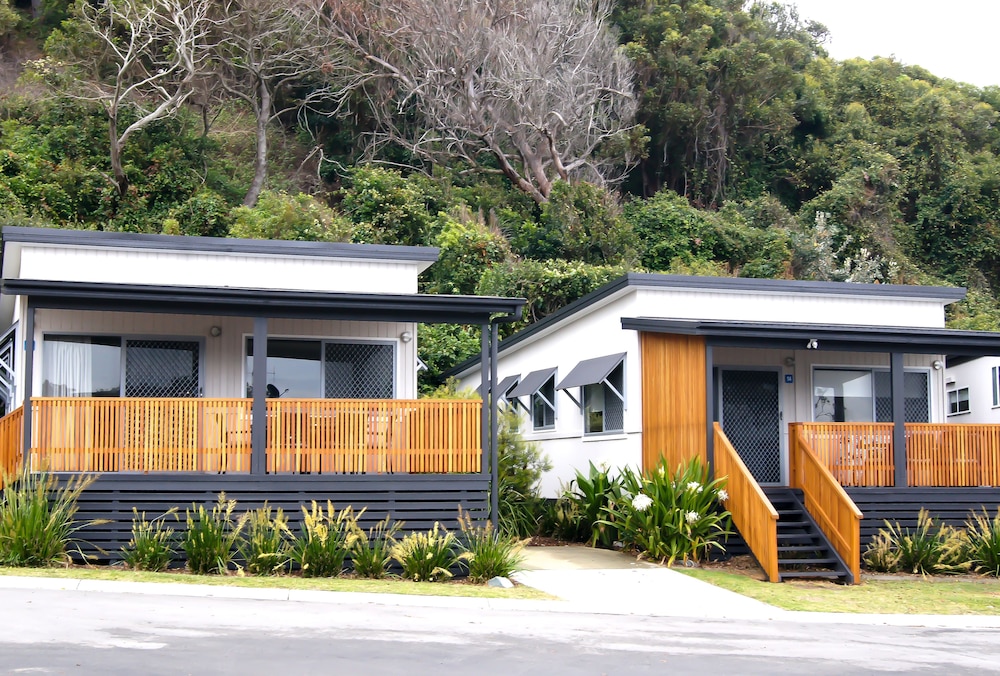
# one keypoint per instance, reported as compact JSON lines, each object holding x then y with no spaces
{"x":578,"y":514}
{"x":668,"y":516}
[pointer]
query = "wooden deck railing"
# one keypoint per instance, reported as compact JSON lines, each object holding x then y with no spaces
{"x":752,"y":512}
{"x":826,"y":500}
{"x":77,"y":434}
{"x":374,"y":436}
{"x":942,"y":455}
{"x":11,"y":443}
{"x":952,"y":455}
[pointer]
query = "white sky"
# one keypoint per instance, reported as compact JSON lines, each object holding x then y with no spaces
{"x":956,"y":39}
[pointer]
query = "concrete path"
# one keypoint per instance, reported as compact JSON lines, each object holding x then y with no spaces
{"x":604,"y":581}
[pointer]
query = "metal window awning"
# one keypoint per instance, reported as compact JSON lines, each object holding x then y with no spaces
{"x":503,"y":385}
{"x":531,"y":383}
{"x":591,"y":371}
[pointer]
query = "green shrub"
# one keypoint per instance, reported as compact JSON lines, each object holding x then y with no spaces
{"x":371,"y":551}
{"x":881,"y":555}
{"x":929,"y":550}
{"x":428,"y":557}
{"x":212,"y":536}
{"x":665,"y":517}
{"x":37,"y":520}
{"x":984,"y":542}
{"x":490,"y":552}
{"x":584,"y":504}
{"x":153,"y":544}
{"x":265,"y":544}
{"x":325,"y":538}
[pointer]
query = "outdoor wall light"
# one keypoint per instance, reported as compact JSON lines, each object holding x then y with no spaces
{"x":812,"y":344}
{"x":406,"y":336}
{"x":937,"y":364}
{"x":789,"y":361}
{"x":215,"y":331}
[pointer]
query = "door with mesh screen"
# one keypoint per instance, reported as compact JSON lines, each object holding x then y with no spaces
{"x":359,"y":370}
{"x":162,"y":368}
{"x":750,"y":414}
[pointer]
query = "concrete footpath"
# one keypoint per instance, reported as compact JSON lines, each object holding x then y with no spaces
{"x":582,"y":579}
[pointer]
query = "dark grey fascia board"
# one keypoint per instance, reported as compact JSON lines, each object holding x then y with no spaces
{"x":429,"y":308}
{"x":829,"y":336}
{"x":188,"y":243}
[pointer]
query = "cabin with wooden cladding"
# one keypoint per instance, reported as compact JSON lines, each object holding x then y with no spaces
{"x":824,"y":404}
{"x":179,"y":367}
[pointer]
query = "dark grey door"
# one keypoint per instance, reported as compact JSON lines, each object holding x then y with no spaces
{"x":750,"y":413}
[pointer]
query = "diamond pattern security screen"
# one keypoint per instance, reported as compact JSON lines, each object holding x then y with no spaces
{"x":915,"y":397}
{"x":162,"y":368}
{"x":751,"y":420}
{"x":359,"y":370}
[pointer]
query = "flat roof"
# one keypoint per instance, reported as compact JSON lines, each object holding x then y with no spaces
{"x":429,"y":308}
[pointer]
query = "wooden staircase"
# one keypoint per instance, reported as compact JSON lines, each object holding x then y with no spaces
{"x":803,"y":550}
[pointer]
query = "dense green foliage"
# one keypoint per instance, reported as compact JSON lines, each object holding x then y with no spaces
{"x":764,"y":158}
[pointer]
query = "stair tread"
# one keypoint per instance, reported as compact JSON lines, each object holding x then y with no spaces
{"x":807,"y":562}
{"x":803,"y":548}
{"x":828,"y":574}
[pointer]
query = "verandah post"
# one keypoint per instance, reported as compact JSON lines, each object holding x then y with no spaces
{"x":494,"y":431}
{"x":29,"y":365}
{"x":258,"y":429}
{"x":898,"y":419}
{"x":709,"y":412}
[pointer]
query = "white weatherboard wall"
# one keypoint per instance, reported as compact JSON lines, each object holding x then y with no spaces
{"x":216,"y":269}
{"x":223,"y":356}
{"x":977,"y":375}
{"x":596,"y":330}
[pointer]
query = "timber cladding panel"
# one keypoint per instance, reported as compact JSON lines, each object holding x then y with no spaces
{"x":674,"y":416}
{"x":417,"y":500}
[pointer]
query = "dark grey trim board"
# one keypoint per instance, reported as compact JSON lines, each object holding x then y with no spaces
{"x":419,"y":500}
{"x":128,"y":240}
{"x":910,"y":340}
{"x":946,"y":505}
{"x":429,"y":308}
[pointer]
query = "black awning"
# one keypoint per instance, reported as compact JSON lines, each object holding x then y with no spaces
{"x":591,"y":371}
{"x":507,"y":383}
{"x":531,"y":383}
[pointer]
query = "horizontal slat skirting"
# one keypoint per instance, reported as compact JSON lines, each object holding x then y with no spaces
{"x":946,"y":505}
{"x":417,"y":501}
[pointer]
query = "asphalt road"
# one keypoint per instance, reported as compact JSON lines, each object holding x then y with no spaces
{"x":77,"y":632}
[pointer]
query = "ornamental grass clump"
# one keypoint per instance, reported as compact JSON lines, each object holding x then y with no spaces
{"x":266,"y":541}
{"x":927,"y":550}
{"x":984,"y":542}
{"x":667,"y":517}
{"x":38,"y":524}
{"x":428,"y":556}
{"x":324,"y":540}
{"x":490,"y":552}
{"x":881,"y":555}
{"x":212,"y":536}
{"x":153,"y":543}
{"x":371,"y":551}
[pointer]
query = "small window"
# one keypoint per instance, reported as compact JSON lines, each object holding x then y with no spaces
{"x":604,"y":404}
{"x":958,"y":401}
{"x":543,"y":407}
{"x":996,"y":385}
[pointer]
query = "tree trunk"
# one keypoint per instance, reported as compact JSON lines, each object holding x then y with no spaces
{"x":260,"y":162}
{"x":121,"y":180}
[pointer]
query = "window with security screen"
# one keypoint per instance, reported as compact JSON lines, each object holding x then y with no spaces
{"x":162,"y":368}
{"x":304,"y":368}
{"x":359,"y":370}
{"x":604,"y":404}
{"x":543,"y":408}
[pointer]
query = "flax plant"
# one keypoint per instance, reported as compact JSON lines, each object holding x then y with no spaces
{"x":38,"y":524}
{"x":266,"y":541}
{"x":371,"y":551}
{"x":212,"y":536}
{"x":153,"y":544}
{"x":325,"y":539}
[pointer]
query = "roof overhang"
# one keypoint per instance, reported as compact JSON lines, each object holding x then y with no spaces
{"x":428,"y":308}
{"x":911,"y":340}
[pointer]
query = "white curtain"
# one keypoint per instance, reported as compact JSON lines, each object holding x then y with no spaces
{"x":67,"y":369}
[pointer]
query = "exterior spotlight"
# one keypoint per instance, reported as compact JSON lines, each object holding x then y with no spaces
{"x":406,"y":336}
{"x":812,"y":344}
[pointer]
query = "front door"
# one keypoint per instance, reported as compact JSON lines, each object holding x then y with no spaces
{"x":750,"y":414}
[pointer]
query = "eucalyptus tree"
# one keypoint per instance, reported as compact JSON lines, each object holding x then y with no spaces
{"x":537,"y":90}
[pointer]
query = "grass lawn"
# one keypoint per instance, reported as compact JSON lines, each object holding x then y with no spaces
{"x":905,"y":595}
{"x":391,"y":586}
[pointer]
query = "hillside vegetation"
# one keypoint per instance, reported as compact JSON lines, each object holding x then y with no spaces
{"x":545,"y":154}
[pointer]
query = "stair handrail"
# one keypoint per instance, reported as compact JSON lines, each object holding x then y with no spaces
{"x":752,"y":513}
{"x":826,"y":500}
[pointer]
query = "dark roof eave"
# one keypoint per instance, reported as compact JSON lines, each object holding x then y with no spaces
{"x":830,"y":336}
{"x":427,"y":308}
